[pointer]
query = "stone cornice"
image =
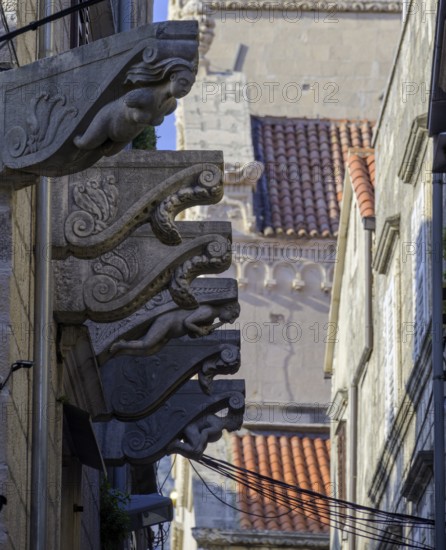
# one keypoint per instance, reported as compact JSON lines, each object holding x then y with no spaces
{"x":302,"y":5}
{"x":215,"y":538}
{"x":119,"y":282}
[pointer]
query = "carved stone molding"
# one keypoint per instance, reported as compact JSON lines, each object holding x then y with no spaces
{"x":119,"y":282}
{"x":136,"y":387}
{"x":304,"y":5}
{"x":417,"y":140}
{"x":206,"y":291}
{"x":61,"y":114}
{"x":183,"y":425}
{"x":267,"y":258}
{"x":386,"y":242}
{"x":211,"y":538}
{"x":236,"y":204}
{"x":97,"y":209}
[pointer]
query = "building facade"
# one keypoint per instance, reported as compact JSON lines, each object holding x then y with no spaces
{"x":381,"y":365}
{"x":286,"y":116}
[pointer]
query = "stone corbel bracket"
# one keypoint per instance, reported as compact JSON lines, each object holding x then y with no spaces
{"x":136,"y":386}
{"x":95,"y":210}
{"x":119,"y":282}
{"x":205,"y":290}
{"x":61,"y":114}
{"x":185,"y":424}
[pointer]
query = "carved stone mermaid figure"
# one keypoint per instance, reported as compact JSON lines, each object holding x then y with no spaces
{"x":175,"y":324}
{"x":155,"y":96}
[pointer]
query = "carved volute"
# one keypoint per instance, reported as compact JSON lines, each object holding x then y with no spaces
{"x":95,"y":210}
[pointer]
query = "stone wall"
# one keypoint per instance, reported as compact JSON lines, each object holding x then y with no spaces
{"x":393,"y":427}
{"x":306,"y":63}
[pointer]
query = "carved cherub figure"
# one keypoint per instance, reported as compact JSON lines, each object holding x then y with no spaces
{"x":175,"y":324}
{"x":120,"y":121}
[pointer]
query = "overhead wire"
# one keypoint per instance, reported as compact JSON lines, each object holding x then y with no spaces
{"x":322,"y":508}
{"x":322,"y":518}
{"x":378,"y":537}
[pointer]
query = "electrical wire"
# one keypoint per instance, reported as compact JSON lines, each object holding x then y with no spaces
{"x":333,"y":523}
{"x":315,"y":514}
{"x":167,"y":475}
{"x":325,"y":510}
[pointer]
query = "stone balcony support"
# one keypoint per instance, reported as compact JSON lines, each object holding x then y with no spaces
{"x":184,"y":424}
{"x":95,"y":210}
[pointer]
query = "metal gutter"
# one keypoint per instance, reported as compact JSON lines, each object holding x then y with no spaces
{"x":353,"y":399}
{"x":437,"y":359}
{"x":43,"y":316}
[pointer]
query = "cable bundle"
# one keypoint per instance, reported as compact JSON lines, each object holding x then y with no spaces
{"x":374,"y":524}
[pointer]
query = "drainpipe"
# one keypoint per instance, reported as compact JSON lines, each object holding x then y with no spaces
{"x":125,"y":13}
{"x":369,"y":226}
{"x":43,"y":315}
{"x":437,"y":358}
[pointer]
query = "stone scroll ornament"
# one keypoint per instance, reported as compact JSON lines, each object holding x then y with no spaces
{"x":119,"y":282}
{"x":62,"y":114}
{"x":95,"y":210}
{"x":136,"y":387}
{"x":185,"y":424}
{"x":207,"y":291}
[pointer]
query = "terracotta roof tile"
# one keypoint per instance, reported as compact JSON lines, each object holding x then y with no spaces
{"x":299,"y":461}
{"x":361,"y":168}
{"x":301,"y":189}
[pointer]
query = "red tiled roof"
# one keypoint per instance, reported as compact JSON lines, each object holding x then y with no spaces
{"x":298,"y":461}
{"x":361,"y":168}
{"x":301,"y":190}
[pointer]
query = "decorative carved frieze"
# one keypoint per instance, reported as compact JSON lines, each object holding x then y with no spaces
{"x":415,"y":144}
{"x":97,"y":209}
{"x":119,"y":282}
{"x":62,"y":114}
{"x":136,"y":387}
{"x":183,"y":425}
{"x":205,"y":290}
{"x":216,"y":539}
